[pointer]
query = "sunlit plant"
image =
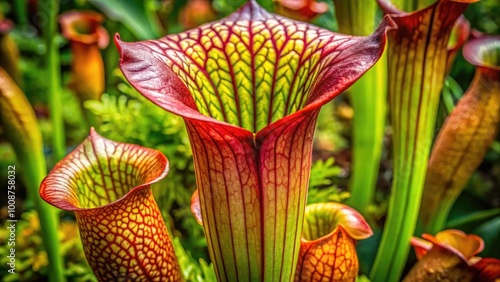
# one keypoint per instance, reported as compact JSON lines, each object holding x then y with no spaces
{"x":249,"y":88}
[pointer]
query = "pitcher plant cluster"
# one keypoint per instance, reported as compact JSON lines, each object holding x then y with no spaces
{"x":249,"y":88}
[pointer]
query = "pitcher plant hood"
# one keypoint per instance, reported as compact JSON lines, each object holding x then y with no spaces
{"x":249,"y":88}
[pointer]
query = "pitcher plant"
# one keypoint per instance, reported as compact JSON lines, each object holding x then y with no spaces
{"x":249,"y":88}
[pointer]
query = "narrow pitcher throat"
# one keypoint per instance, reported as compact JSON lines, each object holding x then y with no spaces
{"x":248,"y":90}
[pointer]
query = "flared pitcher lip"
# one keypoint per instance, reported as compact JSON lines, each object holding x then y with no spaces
{"x":474,"y":50}
{"x":98,"y":36}
{"x":188,"y":110}
{"x":435,"y":242}
{"x":349,"y":215}
{"x":62,"y":203}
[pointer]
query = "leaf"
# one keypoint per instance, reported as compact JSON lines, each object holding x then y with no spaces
{"x":134,"y":14}
{"x":322,"y":173}
{"x":451,"y":93}
{"x":490,"y":232}
{"x":472,"y":219}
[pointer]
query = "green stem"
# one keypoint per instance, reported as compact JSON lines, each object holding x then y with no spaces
{"x":368,"y":101}
{"x":368,"y":98}
{"x":35,"y":171}
{"x":54,"y":79}
{"x":412,"y":5}
{"x":266,"y":4}
{"x":404,"y":205}
{"x":438,"y":222}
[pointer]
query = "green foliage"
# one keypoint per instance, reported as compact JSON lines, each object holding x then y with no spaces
{"x":31,"y":259}
{"x":138,"y":16}
{"x":485,"y":17}
{"x":362,"y":278}
{"x":328,"y":20}
{"x":451,"y":93}
{"x":192,"y":270}
{"x":321,"y":183}
{"x":490,"y":233}
{"x":226,"y":7}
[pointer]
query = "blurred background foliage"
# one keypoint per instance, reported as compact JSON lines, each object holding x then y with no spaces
{"x":124,"y":115}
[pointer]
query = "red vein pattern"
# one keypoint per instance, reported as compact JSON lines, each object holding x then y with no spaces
{"x":249,"y":88}
{"x":107,"y":185}
{"x":331,"y":259}
{"x":328,"y":247}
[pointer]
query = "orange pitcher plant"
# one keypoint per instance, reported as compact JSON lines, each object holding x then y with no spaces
{"x":86,"y":37}
{"x":451,"y":256}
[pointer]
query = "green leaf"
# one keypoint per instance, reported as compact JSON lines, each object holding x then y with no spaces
{"x":490,"y":232}
{"x":134,"y":14}
{"x":471,"y":220}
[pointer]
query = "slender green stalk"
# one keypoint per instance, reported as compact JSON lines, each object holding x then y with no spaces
{"x":368,"y":98}
{"x":438,"y":222}
{"x":20,"y":7}
{"x":54,"y":78}
{"x":369,"y":103}
{"x":35,"y":170}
